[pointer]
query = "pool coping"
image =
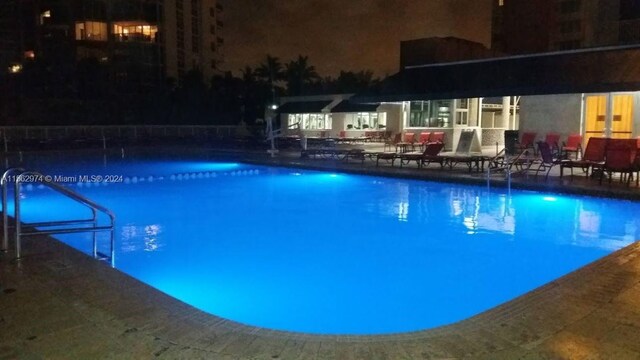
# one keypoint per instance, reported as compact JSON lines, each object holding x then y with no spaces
{"x":603,"y":297}
{"x":130,"y":311}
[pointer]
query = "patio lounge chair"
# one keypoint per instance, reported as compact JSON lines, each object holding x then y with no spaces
{"x":527,"y":141}
{"x":429,"y":155}
{"x":547,"y":162}
{"x":594,"y":155}
{"x":407,"y":141}
{"x":391,"y":143}
{"x":437,"y":136}
{"x":423,"y":139}
{"x":512,"y":156}
{"x":621,"y":157}
{"x":553,"y":140}
{"x":573,"y":145}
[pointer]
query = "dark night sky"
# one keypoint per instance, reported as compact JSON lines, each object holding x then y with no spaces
{"x":345,"y":34}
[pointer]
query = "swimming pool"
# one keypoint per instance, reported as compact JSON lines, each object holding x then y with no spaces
{"x":329,"y":253}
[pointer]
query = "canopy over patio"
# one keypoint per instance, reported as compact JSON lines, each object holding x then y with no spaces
{"x":580,"y":71}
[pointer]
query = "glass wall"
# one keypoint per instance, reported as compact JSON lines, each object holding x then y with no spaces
{"x":310,"y":121}
{"x":135,"y":32}
{"x":365,"y":120}
{"x":91,"y":30}
{"x":436,"y":113}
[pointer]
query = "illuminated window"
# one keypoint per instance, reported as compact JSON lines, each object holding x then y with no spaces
{"x":135,"y":32}
{"x":45,"y":15}
{"x":15,"y":68}
{"x":91,"y":30}
{"x":430,"y":114}
{"x":462,"y":112}
{"x":310,"y":121}
{"x":365,"y":121}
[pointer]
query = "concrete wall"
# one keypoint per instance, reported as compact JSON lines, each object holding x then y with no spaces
{"x":551,"y":113}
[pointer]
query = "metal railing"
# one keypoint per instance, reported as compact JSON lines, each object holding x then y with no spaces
{"x":54,"y":227}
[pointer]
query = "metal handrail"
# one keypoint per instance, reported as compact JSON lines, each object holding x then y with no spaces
{"x":94,"y":207}
{"x":5,"y":211}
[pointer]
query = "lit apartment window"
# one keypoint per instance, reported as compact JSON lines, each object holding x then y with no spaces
{"x":91,"y":30}
{"x":45,"y":15}
{"x":135,"y":32}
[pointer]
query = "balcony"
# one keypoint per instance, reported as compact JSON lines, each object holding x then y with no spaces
{"x":130,"y":31}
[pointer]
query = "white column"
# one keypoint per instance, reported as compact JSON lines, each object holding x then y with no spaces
{"x":506,"y":107}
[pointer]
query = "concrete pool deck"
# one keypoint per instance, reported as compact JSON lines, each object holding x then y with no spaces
{"x":59,"y":303}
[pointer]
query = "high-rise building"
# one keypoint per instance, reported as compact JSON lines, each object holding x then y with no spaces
{"x":523,"y":26}
{"x":141,"y":41}
{"x":194,"y":36}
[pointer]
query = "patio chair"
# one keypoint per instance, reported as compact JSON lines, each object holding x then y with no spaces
{"x":593,"y":157}
{"x":553,"y":140}
{"x":512,"y":155}
{"x":527,"y":141}
{"x":423,"y":139}
{"x":437,"y":136}
{"x":387,"y":155}
{"x":620,"y":158}
{"x":573,"y":145}
{"x":407,"y":141}
{"x":391,"y":143}
{"x":547,"y":161}
{"x":429,"y":155}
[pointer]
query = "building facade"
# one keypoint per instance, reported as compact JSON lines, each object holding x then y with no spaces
{"x":142,"y":41}
{"x":521,"y":26}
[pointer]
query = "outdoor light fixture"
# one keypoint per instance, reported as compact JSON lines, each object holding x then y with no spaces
{"x":274,"y":107}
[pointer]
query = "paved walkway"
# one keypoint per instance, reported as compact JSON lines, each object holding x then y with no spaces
{"x":59,"y":303}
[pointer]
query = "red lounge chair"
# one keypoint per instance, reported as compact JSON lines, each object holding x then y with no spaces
{"x":553,"y":140}
{"x":429,"y":155}
{"x":407,"y":141}
{"x":527,"y":141}
{"x":620,"y":157}
{"x":594,"y":155}
{"x":547,"y":162}
{"x":424,"y":138}
{"x":573,"y":145}
{"x":437,"y":136}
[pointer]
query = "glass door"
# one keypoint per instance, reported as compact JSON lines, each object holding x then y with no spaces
{"x":622,"y":118}
{"x":595,"y":117}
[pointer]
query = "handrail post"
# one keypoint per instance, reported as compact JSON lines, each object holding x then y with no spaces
{"x":5,"y":210}
{"x":5,"y":217}
{"x":17,"y":216}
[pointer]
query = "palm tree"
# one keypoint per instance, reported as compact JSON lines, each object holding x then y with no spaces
{"x":271,"y":72}
{"x":299,"y":73}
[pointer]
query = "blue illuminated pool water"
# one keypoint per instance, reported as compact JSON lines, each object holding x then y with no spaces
{"x":333,"y":253}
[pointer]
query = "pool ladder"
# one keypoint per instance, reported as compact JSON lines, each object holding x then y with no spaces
{"x":17,"y":176}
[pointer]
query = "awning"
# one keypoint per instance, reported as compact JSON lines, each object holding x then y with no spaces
{"x":579,"y":71}
{"x":346,"y":106}
{"x":303,"y":107}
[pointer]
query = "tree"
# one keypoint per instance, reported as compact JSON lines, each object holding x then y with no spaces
{"x":271,"y":72}
{"x":299,"y":74}
{"x":353,"y":82}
